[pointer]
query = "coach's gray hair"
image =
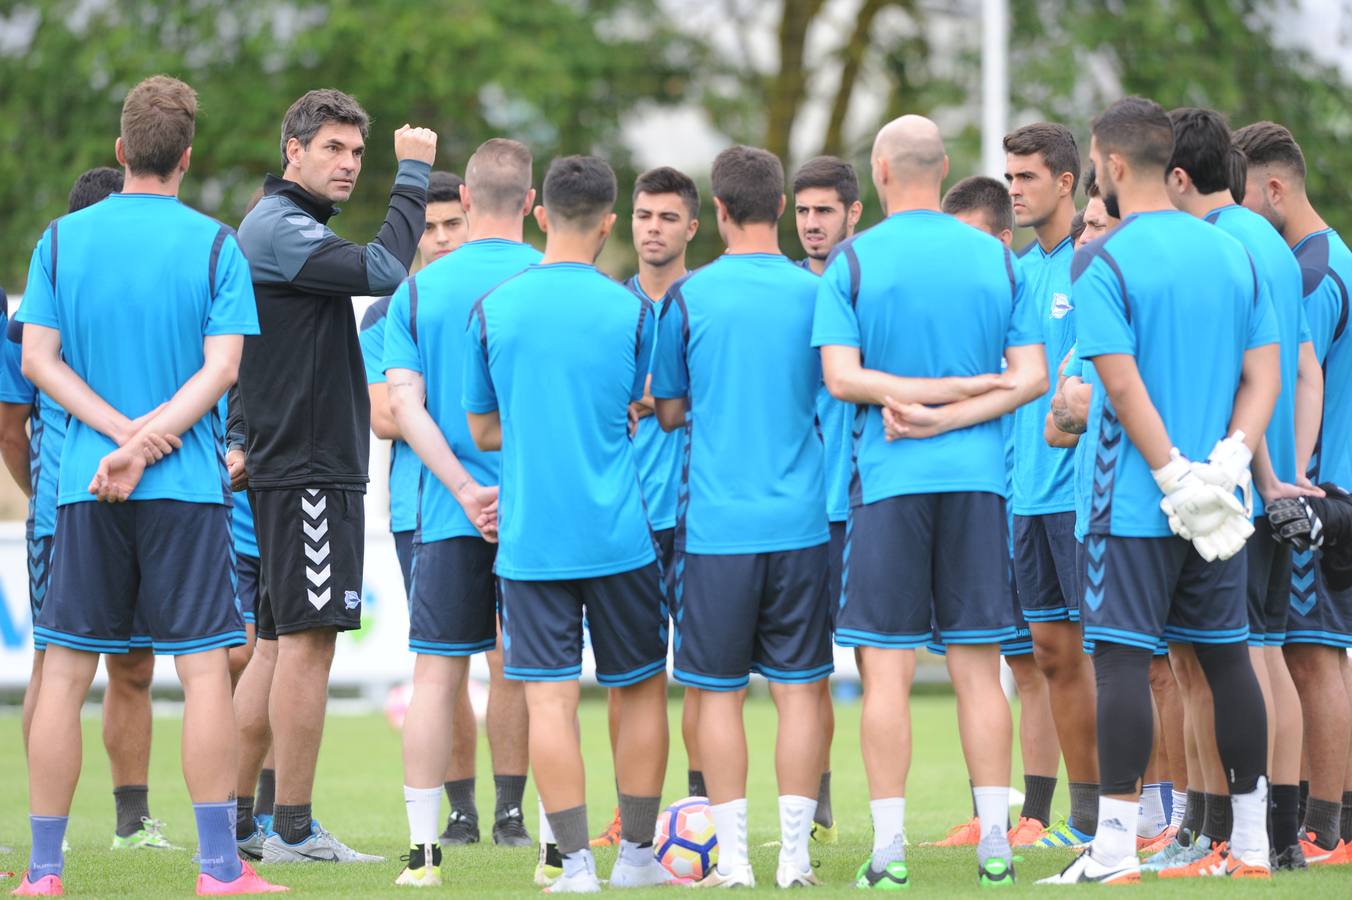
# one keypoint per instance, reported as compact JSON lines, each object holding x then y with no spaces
{"x":316,"y":109}
{"x":499,"y":176}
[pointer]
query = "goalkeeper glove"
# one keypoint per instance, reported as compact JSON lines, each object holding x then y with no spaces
{"x":1295,"y":522}
{"x":1228,"y":468}
{"x":1200,"y":511}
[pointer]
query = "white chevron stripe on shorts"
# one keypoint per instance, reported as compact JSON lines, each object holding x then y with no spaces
{"x":315,"y":525}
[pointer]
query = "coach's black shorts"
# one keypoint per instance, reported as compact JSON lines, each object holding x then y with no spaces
{"x":310,"y":541}
{"x":403,"y":550}
{"x":626,"y":617}
{"x":246,"y":586}
{"x":164,"y":568}
{"x":1138,"y":590}
{"x":918,"y":562}
{"x":453,"y":604}
{"x":1044,"y":567}
{"x":1269,"y":586}
{"x":752,"y":612}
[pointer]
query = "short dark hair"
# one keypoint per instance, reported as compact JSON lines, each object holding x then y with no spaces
{"x":829,"y":172}
{"x":1090,"y":182}
{"x":93,"y":186}
{"x":444,"y":187}
{"x":750,"y":182}
{"x":1076,"y":226}
{"x":666,"y":180}
{"x":159,"y":117}
{"x":984,"y":194}
{"x":1202,"y":148}
{"x":1053,"y":141}
{"x":1267,"y":143}
{"x":579,"y":189}
{"x":499,"y":175}
{"x":314,"y":110}
{"x":1138,"y":129}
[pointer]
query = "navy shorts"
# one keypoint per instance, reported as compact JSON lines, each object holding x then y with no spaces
{"x":835,"y":569}
{"x":626,"y":617}
{"x":752,"y":612}
{"x":246,"y":586}
{"x":1318,"y":614}
{"x":1019,"y":645}
{"x":1139,"y":590}
{"x":39,"y":572}
{"x":163,"y":565}
{"x":403,"y":550}
{"x":923,"y":561}
{"x":453,"y":606}
{"x":1044,"y":567}
{"x":1269,"y":587}
{"x":311,"y":542}
{"x":666,"y":556}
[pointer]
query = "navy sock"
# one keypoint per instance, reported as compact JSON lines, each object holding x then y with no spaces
{"x":216,"y":839}
{"x":46,"y":857}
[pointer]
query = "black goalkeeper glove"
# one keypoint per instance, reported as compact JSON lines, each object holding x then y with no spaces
{"x":1295,"y":522}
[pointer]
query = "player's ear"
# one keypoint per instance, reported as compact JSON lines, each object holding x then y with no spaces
{"x":854,"y":212}
{"x":530,"y":201}
{"x":945,"y":175}
{"x":120,"y":153}
{"x":1066,"y":182}
{"x":542,"y":218}
{"x":294,"y":149}
{"x":607,"y":223}
{"x":721,"y":210}
{"x":691,"y":229}
{"x":782,"y":202}
{"x":464,"y":198}
{"x":185,"y":160}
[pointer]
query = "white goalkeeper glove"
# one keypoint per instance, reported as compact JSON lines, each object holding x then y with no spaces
{"x":1201,"y":512}
{"x":1228,"y":468}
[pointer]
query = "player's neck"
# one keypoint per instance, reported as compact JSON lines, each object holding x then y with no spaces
{"x":564,"y":246}
{"x":1203,"y":205}
{"x":485,"y":228}
{"x":655,"y":281}
{"x":1141,"y":196}
{"x":909,"y":197}
{"x":1056,"y":228}
{"x":816,"y":266}
{"x":1301,"y":220}
{"x":753,"y":237}
{"x":151,"y":184}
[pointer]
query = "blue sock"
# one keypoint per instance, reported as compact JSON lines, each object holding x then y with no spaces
{"x":46,"y":858}
{"x":216,"y":839}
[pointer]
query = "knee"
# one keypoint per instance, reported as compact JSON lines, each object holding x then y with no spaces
{"x":132,"y":672}
{"x":1161,"y":677}
{"x":1054,"y":657}
{"x":239,"y":660}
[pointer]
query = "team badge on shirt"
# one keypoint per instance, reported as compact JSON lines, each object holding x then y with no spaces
{"x":1060,"y":305}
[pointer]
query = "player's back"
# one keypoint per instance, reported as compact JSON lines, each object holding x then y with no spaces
{"x":755,"y":459}
{"x":565,"y":349}
{"x":933,"y":298}
{"x":1184,"y":299}
{"x":1277,"y":268}
{"x":136,"y":282}
{"x":1326,"y":267}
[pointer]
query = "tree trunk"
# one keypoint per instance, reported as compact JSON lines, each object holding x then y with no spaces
{"x":788,"y":87}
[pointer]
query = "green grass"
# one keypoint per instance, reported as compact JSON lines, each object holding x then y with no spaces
{"x":360,"y":800}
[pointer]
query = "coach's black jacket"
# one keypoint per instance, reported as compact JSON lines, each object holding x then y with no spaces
{"x":302,"y":402}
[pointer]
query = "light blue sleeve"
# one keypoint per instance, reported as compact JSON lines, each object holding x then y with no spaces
{"x":1305,"y":335}
{"x":372,"y":340}
{"x":834,"y":322}
{"x":39,"y":300}
{"x":647,"y":344}
{"x":14,"y":388}
{"x":1323,"y":307}
{"x":1102,"y":325}
{"x":1025,"y":320}
{"x":233,"y":309}
{"x":1263,"y":323}
{"x":671,"y":375}
{"x":1074,"y":366}
{"x":400,"y":351}
{"x":479,"y":395}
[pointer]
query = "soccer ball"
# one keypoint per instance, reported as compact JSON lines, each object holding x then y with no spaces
{"x":686,"y":844}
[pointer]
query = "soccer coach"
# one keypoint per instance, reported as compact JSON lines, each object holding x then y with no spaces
{"x":306,"y":425}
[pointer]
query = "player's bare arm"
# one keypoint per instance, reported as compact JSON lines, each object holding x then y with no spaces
{"x":1142,"y":422}
{"x":486,"y":429}
{"x":848,"y":380}
{"x":1309,"y":409}
{"x":1259,"y":384}
{"x":670,"y":412}
{"x":1024,"y":379}
{"x":383,"y":424}
{"x":408,"y":394}
{"x":14,"y":443}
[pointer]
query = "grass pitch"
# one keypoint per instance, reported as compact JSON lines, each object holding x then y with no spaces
{"x":359,"y":798}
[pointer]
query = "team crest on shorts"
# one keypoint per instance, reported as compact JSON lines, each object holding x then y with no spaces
{"x":1060,"y":305}
{"x":351,"y":599}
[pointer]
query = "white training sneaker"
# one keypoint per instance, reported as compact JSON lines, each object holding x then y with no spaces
{"x":320,"y":846}
{"x":583,"y":881}
{"x":740,"y":877}
{"x":1086,"y":869}
{"x":788,"y":875}
{"x":647,"y":874}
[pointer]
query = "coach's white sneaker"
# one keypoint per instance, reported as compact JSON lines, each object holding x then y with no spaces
{"x":740,"y":877}
{"x":789,"y":875}
{"x":320,"y":846}
{"x":1085,"y":869}
{"x":579,"y":875}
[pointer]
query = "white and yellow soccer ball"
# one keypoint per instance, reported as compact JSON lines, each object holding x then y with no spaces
{"x":685,"y":843}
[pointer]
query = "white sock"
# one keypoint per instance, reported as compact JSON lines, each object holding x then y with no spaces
{"x":730,"y":826}
{"x":889,"y":821}
{"x":1116,"y":836}
{"x":1248,"y":836}
{"x":546,"y":833}
{"x":795,"y":827}
{"x":992,"y":808}
{"x":1150,"y":812}
{"x":423,"y":806}
{"x":1180,"y":804}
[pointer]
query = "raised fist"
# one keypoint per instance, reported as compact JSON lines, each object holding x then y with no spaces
{"x":415,"y":143}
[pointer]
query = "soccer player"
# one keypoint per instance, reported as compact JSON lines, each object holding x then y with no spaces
{"x":1198,"y":181}
{"x":827,"y":208}
{"x":1319,"y":625}
{"x":665,"y":220}
{"x":1042,"y":168}
{"x":553,"y":358}
{"x":453,"y":603}
{"x":984,"y":203}
{"x":169,"y":324}
{"x":306,"y":418}
{"x":1169,"y":569}
{"x":750,"y":590}
{"x":126,"y":699}
{"x":931,"y":502}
